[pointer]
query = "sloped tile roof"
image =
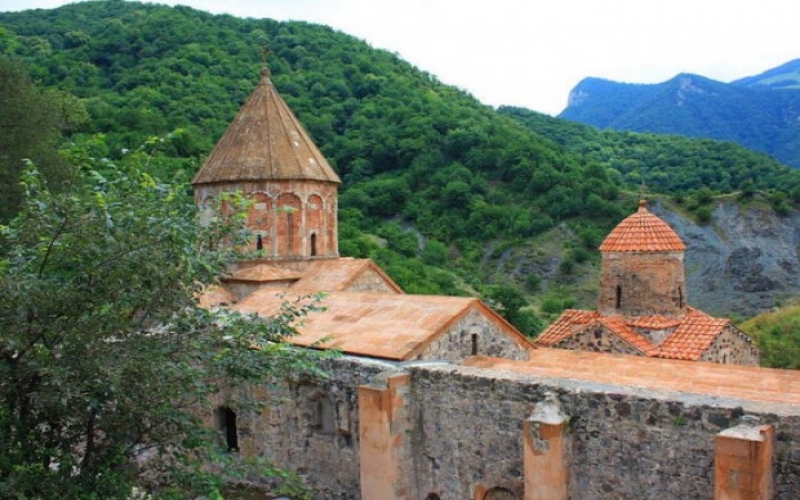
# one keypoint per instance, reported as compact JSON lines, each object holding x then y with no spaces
{"x":780,"y":387}
{"x":692,"y":334}
{"x":265,"y":142}
{"x":642,"y":232}
{"x":339,"y":274}
{"x":570,"y":322}
{"x":215,"y":296}
{"x":388,"y":326}
{"x":653,"y":322}
{"x":618,"y":325}
{"x":263,"y":273}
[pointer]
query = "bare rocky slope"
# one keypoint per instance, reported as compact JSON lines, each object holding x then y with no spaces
{"x":743,"y":262}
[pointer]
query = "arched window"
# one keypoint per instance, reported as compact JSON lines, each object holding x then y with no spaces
{"x":680,"y":297}
{"x":499,"y":494}
{"x":619,"y":296}
{"x":226,"y":422}
{"x":432,"y":496}
{"x":474,"y":344}
{"x":313,"y":244}
{"x":259,"y":242}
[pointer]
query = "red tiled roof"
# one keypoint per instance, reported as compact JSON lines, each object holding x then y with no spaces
{"x":570,"y":322}
{"x":215,"y":296}
{"x":781,"y":387}
{"x":693,"y":336}
{"x":653,"y":322}
{"x":339,"y":274}
{"x":618,"y":325}
{"x":642,"y":232}
{"x":262,"y":273}
{"x":380,"y":325}
{"x":693,"y":332}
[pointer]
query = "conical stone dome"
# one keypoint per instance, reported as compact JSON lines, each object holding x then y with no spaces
{"x":265,"y":142}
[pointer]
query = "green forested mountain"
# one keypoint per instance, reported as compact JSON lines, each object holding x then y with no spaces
{"x":759,"y":112}
{"x":785,"y":76}
{"x":665,"y":163}
{"x":449,"y":195}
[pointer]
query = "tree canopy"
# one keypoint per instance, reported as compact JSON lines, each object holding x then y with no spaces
{"x":107,"y":361}
{"x":31,"y":124}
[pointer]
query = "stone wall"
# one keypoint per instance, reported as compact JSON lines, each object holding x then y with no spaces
{"x":642,"y":284}
{"x":371,"y":281}
{"x":624,"y":443}
{"x":457,"y":432}
{"x":474,"y":333}
{"x":598,"y":339}
{"x":295,"y":219}
{"x":732,"y":347}
{"x":311,"y":427}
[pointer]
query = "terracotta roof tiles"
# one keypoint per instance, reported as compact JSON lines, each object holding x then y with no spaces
{"x":339,"y":274}
{"x":570,"y":322}
{"x":262,"y":273}
{"x":388,"y":326}
{"x":642,"y":232}
{"x":618,"y":325}
{"x":781,"y":387}
{"x":692,"y":334}
{"x":215,"y":296}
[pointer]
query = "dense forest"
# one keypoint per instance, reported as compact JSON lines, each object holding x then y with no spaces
{"x":443,"y":191}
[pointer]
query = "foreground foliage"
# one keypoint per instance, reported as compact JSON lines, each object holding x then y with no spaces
{"x":106,"y":361}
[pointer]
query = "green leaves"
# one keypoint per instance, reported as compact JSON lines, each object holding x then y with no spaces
{"x":105,"y":353}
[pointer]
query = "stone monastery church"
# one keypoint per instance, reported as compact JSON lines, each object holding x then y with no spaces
{"x":440,"y":398}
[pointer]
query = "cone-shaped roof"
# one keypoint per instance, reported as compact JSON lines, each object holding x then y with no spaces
{"x":642,"y":232}
{"x":265,"y":142}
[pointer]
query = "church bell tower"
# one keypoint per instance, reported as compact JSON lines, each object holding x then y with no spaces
{"x":642,"y":271}
{"x":267,"y":155}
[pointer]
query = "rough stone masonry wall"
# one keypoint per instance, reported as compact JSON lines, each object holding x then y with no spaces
{"x":311,"y":427}
{"x":371,"y":281}
{"x":489,"y":339}
{"x":642,"y":284}
{"x":625,"y":443}
{"x":732,"y":347}
{"x":464,"y":434}
{"x":598,"y":339}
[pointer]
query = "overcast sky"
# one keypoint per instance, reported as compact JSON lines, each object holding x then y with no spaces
{"x":531,"y":53}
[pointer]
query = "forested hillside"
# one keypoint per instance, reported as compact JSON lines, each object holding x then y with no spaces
{"x":449,"y":195}
{"x":759,"y":112}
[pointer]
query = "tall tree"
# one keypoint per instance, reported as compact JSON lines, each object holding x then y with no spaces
{"x":106,"y":359}
{"x":31,"y":123}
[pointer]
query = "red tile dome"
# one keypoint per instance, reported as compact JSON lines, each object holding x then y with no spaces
{"x":642,"y":232}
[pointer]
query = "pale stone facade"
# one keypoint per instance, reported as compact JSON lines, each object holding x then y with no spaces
{"x":474,"y":334}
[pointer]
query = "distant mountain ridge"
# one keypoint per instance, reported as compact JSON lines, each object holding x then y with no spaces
{"x":759,"y":112}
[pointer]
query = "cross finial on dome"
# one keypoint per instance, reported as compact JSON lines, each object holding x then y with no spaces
{"x":264,"y":67}
{"x":642,"y":204}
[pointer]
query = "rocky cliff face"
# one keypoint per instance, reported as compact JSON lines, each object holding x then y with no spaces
{"x":743,"y":262}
